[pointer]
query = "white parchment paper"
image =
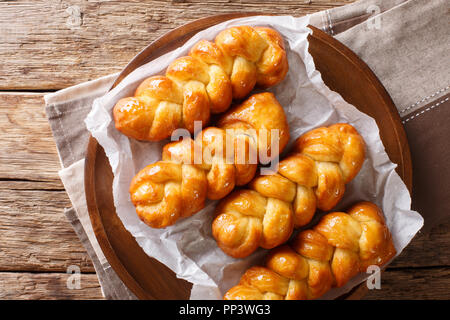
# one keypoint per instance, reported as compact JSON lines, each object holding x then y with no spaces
{"x":188,"y":247}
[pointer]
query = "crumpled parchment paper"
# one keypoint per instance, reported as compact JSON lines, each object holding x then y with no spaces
{"x":188,"y":247}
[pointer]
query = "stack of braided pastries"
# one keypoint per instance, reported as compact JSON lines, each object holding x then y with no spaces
{"x":178,"y":185}
{"x":340,"y":246}
{"x":323,"y":160}
{"x":203,"y":82}
{"x":264,"y":209}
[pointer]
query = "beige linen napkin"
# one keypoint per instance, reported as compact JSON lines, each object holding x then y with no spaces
{"x":406,"y":44}
{"x":66,"y":110}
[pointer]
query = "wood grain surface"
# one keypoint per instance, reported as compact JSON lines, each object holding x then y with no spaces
{"x":104,"y":36}
{"x":43,"y":48}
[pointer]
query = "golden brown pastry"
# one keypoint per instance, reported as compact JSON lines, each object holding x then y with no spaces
{"x":329,"y":255}
{"x":313,"y":176}
{"x":203,"y":82}
{"x":178,"y":185}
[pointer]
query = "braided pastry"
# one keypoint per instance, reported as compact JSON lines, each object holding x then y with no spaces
{"x":203,"y":82}
{"x":178,"y":185}
{"x":313,"y":176}
{"x":329,"y":255}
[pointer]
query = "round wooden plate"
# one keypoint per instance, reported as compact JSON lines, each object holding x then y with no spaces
{"x":341,"y":70}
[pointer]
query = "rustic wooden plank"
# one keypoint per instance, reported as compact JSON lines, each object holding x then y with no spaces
{"x":93,"y":39}
{"x":413,"y":284}
{"x":33,"y":286}
{"x":395,"y":284}
{"x":27,"y":150}
{"x":35,"y":235}
{"x":429,"y":249}
{"x":34,"y":232}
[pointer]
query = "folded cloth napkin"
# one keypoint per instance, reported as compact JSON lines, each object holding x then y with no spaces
{"x":405,"y":43}
{"x":66,"y":110}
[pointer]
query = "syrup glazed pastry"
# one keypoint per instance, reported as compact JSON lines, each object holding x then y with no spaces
{"x":203,"y":82}
{"x":313,"y":176}
{"x":178,"y":185}
{"x":329,"y":255}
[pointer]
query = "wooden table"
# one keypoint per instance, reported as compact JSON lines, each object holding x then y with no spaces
{"x":46,"y":46}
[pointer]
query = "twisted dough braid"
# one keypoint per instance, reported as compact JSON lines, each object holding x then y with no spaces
{"x":205,"y":81}
{"x":329,"y":255}
{"x":313,"y":176}
{"x":178,"y":185}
